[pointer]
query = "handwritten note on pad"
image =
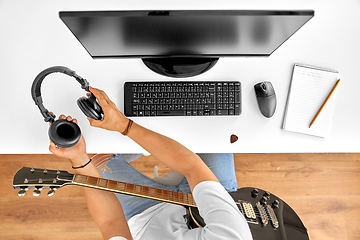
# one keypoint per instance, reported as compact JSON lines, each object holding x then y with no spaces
{"x":308,"y":90}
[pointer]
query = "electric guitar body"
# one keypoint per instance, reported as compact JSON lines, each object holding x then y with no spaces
{"x":269,"y":217}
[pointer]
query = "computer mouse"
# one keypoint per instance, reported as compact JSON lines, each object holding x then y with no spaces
{"x":266,"y":98}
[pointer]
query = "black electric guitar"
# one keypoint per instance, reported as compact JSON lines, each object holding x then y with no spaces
{"x":267,"y":215}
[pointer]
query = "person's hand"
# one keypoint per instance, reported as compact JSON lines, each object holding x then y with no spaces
{"x":113,"y":119}
{"x":77,"y":153}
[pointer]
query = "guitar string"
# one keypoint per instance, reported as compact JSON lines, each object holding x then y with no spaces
{"x":173,"y":199}
{"x":56,"y":171}
{"x":257,"y":213}
{"x":44,"y":179}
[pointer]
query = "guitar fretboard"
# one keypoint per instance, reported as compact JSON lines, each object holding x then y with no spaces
{"x":179,"y":198}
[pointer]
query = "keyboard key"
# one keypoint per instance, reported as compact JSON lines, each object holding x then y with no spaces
{"x":209,"y":106}
{"x":222,"y":112}
{"x":237,"y":97}
{"x":171,"y":113}
{"x":237,"y":109}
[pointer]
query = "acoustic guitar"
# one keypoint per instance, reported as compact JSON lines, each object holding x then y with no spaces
{"x":268,"y":216}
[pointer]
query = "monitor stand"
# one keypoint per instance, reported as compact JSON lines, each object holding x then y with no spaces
{"x":180,"y":67}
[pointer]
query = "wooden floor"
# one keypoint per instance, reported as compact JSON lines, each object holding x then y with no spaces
{"x":324,"y":189}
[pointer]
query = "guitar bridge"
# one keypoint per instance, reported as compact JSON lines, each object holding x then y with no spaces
{"x":263,"y":216}
{"x":272,"y":217}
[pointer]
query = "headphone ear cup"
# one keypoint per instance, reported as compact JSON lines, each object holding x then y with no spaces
{"x":64,"y":134}
{"x":90,"y":107}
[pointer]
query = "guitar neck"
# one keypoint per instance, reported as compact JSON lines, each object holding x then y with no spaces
{"x":179,"y":198}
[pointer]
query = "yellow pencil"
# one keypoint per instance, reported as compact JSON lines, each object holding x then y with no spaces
{"x":317,"y":114}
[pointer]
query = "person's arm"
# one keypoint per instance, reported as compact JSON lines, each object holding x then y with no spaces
{"x":104,"y":206}
{"x":168,"y":151}
{"x":172,"y":154}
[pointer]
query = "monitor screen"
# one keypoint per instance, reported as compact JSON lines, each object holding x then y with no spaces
{"x":217,"y":33}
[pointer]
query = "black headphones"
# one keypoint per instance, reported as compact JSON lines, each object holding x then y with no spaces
{"x":62,"y":132}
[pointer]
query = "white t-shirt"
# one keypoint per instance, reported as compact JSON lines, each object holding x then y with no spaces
{"x":219,"y":211}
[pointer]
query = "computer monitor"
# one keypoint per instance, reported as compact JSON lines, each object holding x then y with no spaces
{"x":183,"y":43}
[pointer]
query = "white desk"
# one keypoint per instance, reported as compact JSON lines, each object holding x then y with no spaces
{"x":34,"y":38}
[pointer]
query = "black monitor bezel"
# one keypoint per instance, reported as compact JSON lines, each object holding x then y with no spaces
{"x":169,"y":13}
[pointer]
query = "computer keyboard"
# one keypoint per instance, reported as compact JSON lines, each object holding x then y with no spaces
{"x":174,"y":98}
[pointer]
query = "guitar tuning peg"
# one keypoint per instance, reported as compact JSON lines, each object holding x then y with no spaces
{"x":22,"y":192}
{"x":51,"y":192}
{"x":37,"y":191}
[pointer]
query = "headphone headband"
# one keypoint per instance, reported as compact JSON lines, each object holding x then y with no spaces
{"x":36,"y":88}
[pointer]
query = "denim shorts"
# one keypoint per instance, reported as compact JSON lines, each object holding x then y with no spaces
{"x":221,"y":164}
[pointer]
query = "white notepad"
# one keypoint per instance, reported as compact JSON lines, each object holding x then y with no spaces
{"x":309,"y":88}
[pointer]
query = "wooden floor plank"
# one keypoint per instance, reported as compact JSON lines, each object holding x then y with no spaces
{"x":324,"y":189}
